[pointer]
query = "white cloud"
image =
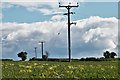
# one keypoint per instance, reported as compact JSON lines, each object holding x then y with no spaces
{"x":5,"y":5}
{"x":40,"y":6}
{"x":58,"y":18}
{"x":45,"y":11}
{"x":90,"y":36}
{"x":34,"y":6}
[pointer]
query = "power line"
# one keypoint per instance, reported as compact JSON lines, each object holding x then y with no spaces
{"x":68,"y":7}
{"x":55,"y":35}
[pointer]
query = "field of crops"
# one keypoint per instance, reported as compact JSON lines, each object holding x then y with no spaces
{"x":42,"y":69}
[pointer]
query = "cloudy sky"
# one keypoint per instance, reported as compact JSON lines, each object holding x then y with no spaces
{"x":24,"y":24}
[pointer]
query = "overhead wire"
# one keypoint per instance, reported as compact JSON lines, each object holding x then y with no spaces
{"x":55,"y":35}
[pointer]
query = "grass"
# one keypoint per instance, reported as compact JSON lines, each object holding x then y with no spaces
{"x":44,"y":69}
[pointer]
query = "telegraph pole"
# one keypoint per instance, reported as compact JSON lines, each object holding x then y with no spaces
{"x":68,"y":7}
{"x":42,"y":46}
{"x":35,"y":52}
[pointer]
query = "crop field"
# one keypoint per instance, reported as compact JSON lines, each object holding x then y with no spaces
{"x":44,"y":69}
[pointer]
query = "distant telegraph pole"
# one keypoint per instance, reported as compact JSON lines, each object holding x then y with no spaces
{"x":35,"y":52}
{"x":42,"y":46}
{"x":68,"y":7}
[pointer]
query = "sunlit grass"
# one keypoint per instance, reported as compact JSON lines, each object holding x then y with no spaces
{"x":37,"y":69}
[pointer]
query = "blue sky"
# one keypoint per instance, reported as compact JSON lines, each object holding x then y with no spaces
{"x":20,"y":14}
{"x":24,"y":24}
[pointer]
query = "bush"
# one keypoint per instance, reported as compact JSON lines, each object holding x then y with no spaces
{"x":35,"y":59}
{"x":22,"y":55}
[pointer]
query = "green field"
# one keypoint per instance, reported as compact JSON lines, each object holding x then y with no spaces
{"x":44,"y":69}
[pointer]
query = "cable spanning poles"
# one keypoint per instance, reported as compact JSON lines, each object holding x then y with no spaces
{"x":68,"y":7}
{"x":42,"y":46}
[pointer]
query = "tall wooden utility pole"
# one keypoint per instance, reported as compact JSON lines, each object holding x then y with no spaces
{"x":42,"y":46}
{"x":68,"y":7}
{"x":35,"y":52}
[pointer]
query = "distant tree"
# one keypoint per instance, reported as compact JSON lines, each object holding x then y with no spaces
{"x":45,"y":57}
{"x":6,"y":59}
{"x":106,"y":54}
{"x":22,"y":55}
{"x":82,"y":59}
{"x":113,"y":54}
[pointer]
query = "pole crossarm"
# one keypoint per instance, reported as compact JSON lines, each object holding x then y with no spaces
{"x":69,"y":23}
{"x":73,"y":23}
{"x":41,"y":41}
{"x":69,"y":6}
{"x":69,"y":13}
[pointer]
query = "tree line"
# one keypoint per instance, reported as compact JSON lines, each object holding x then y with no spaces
{"x":108,"y":56}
